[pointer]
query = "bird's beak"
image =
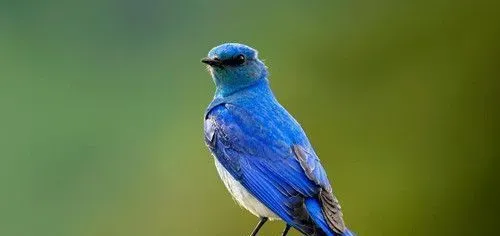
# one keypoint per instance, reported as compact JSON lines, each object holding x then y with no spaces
{"x":212,"y":62}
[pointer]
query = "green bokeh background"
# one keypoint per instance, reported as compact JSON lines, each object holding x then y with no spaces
{"x":101,"y":107}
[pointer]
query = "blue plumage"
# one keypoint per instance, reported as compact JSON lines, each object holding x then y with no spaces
{"x":263,"y":147}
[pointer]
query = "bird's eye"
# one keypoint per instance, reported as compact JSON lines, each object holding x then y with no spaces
{"x":240,"y":59}
{"x":235,"y":61}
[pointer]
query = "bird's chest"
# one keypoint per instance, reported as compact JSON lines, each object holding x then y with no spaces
{"x":241,"y":195}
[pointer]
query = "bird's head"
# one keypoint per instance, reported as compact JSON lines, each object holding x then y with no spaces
{"x":234,"y":66}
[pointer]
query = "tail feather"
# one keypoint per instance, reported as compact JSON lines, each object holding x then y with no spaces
{"x":347,"y":232}
{"x":313,"y":206}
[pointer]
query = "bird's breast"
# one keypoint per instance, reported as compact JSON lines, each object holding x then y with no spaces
{"x":242,"y":196}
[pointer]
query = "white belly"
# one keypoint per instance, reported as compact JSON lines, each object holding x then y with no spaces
{"x":242,"y":196}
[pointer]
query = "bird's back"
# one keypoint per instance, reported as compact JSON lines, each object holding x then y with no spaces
{"x":264,"y":148}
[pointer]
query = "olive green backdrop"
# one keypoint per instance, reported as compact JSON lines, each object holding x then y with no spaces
{"x":101,"y":106}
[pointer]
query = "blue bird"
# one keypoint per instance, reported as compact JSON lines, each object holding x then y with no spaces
{"x":261,"y":152}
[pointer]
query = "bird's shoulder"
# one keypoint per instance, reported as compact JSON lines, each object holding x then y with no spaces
{"x":239,"y":127}
{"x":263,"y":117}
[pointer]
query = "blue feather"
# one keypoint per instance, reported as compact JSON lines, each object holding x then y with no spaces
{"x":263,"y":147}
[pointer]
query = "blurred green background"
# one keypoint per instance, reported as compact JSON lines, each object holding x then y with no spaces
{"x":102,"y":101}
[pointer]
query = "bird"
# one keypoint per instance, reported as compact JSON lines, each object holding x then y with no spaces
{"x":261,"y":153}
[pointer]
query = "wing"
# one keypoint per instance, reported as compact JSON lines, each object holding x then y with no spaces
{"x":280,"y":174}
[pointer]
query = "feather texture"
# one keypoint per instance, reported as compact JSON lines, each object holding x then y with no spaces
{"x":267,"y":152}
{"x":262,"y":154}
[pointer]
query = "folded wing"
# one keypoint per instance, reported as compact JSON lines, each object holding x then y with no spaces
{"x":281,"y":175}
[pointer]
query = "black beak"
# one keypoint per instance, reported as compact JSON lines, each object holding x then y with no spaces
{"x":212,"y":62}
